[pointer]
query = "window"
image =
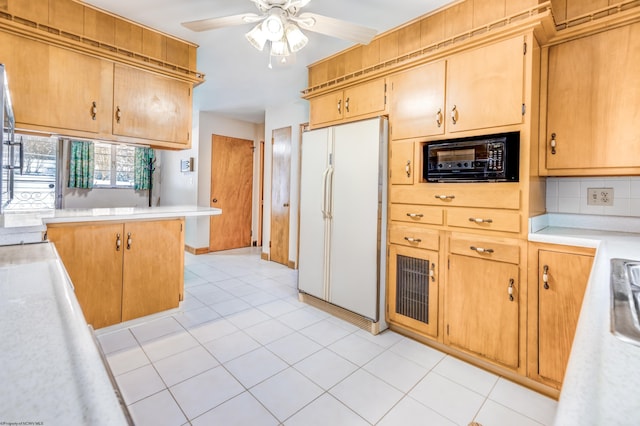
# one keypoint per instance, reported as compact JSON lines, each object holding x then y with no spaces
{"x":114,"y":166}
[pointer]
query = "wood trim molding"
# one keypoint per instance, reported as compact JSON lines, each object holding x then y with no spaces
{"x":78,"y":43}
{"x":264,"y":256}
{"x":291,"y":264}
{"x":196,"y":250}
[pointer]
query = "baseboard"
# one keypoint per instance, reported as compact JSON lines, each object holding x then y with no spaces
{"x":196,"y":251}
{"x":355,"y":319}
{"x":291,"y":264}
{"x":264,"y":256}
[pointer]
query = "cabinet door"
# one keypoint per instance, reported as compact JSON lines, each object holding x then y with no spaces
{"x":153,"y":271}
{"x":480,"y":315}
{"x":413,"y":289}
{"x":55,"y":88}
{"x":562,"y":279}
{"x":326,"y":108}
{"x":151,"y":107}
{"x":363,"y":99}
{"x":93,"y":260}
{"x":75,"y":88}
{"x":402,"y":164}
{"x":593,"y":96}
{"x":416,"y":107}
{"x":485,"y":86}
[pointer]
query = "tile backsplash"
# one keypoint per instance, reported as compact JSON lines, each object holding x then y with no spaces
{"x":569,"y":195}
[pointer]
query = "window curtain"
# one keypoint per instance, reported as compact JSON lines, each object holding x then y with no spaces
{"x":143,"y":167}
{"x":81,"y":164}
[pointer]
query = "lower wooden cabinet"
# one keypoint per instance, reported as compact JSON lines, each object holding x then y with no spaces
{"x":558,"y":279}
{"x":413,"y":289}
{"x":482,"y":306}
{"x":122,"y":271}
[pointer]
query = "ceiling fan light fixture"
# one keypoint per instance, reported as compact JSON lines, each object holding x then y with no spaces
{"x":295,"y":38}
{"x":273,"y":27}
{"x":257,"y":37}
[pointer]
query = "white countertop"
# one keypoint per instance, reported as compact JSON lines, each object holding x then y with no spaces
{"x":50,"y":369}
{"x":602,"y":380}
{"x":18,"y":228}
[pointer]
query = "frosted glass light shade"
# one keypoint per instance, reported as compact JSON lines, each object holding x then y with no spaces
{"x":279,"y":48}
{"x":295,"y":38}
{"x":257,"y":37}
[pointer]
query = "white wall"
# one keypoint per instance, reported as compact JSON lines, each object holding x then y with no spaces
{"x":292,"y":115}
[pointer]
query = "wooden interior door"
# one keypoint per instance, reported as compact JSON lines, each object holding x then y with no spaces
{"x":559,"y":308}
{"x":97,"y":273}
{"x":153,"y":270}
{"x":231,"y":190}
{"x":480,"y":317}
{"x":280,"y":195}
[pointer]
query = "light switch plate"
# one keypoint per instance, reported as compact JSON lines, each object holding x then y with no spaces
{"x":600,"y":196}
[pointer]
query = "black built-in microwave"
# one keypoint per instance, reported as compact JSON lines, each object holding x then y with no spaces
{"x":489,"y":158}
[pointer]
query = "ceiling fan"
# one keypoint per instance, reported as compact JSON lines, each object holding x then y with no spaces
{"x":279,"y":24}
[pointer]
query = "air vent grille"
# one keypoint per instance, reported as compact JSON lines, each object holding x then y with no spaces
{"x":412,"y":281}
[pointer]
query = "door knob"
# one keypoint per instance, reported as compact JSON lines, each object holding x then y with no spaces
{"x":215,"y":200}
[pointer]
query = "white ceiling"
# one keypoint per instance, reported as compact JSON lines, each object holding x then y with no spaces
{"x":238,"y":83}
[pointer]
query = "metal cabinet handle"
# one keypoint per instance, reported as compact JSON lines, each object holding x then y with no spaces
{"x":94,"y":110}
{"x":439,"y":117}
{"x":413,"y":240}
{"x":432,"y":272}
{"x":480,"y":220}
{"x":346,"y":105}
{"x":128,"y":240}
{"x":445,"y":197}
{"x":407,"y":168}
{"x":553,"y":144}
{"x":481,"y":250}
{"x":118,"y":114}
{"x":454,"y":114}
{"x":545,"y":276}
{"x":415,"y":215}
{"x":339,"y":106}
{"x":118,"y":242}
{"x":510,"y":289}
{"x":285,"y":205}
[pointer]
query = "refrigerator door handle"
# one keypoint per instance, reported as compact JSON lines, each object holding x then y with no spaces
{"x":330,"y":194}
{"x":325,"y":174}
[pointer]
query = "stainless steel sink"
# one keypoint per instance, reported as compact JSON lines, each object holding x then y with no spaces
{"x":625,"y":300}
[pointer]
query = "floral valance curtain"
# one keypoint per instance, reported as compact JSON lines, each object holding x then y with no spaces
{"x":81,"y":164}
{"x":143,"y":167}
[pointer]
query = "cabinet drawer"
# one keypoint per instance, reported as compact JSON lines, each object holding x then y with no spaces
{"x":490,"y":220}
{"x":416,"y":214}
{"x":489,"y":195}
{"x":414,"y":236}
{"x":485,"y":248}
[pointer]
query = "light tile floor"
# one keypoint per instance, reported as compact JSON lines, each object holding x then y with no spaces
{"x":242,"y":350}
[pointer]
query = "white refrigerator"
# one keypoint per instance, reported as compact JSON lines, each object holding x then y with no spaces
{"x":343,"y":216}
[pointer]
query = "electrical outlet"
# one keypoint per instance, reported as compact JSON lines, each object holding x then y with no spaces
{"x":600,"y":196}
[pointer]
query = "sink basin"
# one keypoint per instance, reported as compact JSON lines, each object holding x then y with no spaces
{"x":625,"y":300}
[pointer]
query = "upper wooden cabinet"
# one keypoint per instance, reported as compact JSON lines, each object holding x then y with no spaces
{"x":357,"y":102}
{"x":484,"y":88}
{"x":593,"y":93}
{"x":149,"y":106}
{"x":416,"y":106}
{"x":56,"y":88}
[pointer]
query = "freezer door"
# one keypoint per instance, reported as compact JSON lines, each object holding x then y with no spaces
{"x":356,"y":207}
{"x":314,"y":174}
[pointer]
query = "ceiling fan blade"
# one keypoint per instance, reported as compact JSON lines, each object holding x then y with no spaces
{"x":225,"y":21}
{"x":335,"y":27}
